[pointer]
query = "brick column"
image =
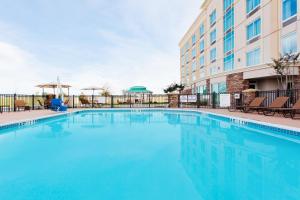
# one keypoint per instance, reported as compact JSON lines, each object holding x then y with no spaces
{"x":236,"y":83}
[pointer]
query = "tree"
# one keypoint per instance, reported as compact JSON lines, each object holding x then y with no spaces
{"x":174,"y":87}
{"x":106,"y":91}
{"x":284,"y":68}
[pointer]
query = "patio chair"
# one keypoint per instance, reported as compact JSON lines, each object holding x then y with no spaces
{"x":41,"y":105}
{"x":66,"y":103}
{"x":291,"y":112}
{"x":85,"y":102}
{"x":20,"y":104}
{"x":254,"y":104}
{"x":275,"y":106}
{"x":57,"y":105}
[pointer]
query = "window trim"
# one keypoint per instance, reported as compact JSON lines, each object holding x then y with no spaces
{"x":202,"y":50}
{"x":252,"y":50}
{"x":256,"y":7}
{"x":215,"y":21}
{"x":201,"y":35}
{"x":202,"y":65}
{"x":287,"y":19}
{"x":213,"y":60}
{"x":285,"y":36}
{"x":232,"y":26}
{"x":215,"y":40}
{"x":257,"y":37}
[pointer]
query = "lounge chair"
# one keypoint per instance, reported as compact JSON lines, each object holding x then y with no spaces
{"x":275,"y":106}
{"x":20,"y":104}
{"x":57,"y":105}
{"x":85,"y":102}
{"x":66,"y":103}
{"x":291,"y":112}
{"x":41,"y":105}
{"x":255,"y":103}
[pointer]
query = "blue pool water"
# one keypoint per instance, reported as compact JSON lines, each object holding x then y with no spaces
{"x":155,"y":155}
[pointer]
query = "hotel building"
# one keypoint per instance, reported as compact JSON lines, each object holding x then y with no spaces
{"x":232,"y":42}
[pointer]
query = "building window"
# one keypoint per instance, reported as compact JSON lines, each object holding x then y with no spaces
{"x":252,"y":5}
{"x":254,"y":29}
{"x":213,"y":36}
{"x":228,"y":20}
{"x":201,"y":46}
{"x":253,"y":57}
{"x":202,"y":73}
{"x":194,"y":39}
{"x":187,"y":58}
{"x":227,"y":4}
{"x":213,"y":17}
{"x":194,"y":66}
{"x":222,"y":87}
{"x":219,"y":87}
{"x":213,"y":70}
{"x":193,"y":77}
{"x":289,"y":9}
{"x":213,"y":55}
{"x":252,"y":85}
{"x":194,"y":53}
{"x":187,"y":46}
{"x":202,"y":30}
{"x":201,"y":89}
{"x":228,"y":42}
{"x":187,"y":70}
{"x":289,"y":43}
{"x":229,"y":62}
{"x":214,"y":87}
{"x":201,"y":61}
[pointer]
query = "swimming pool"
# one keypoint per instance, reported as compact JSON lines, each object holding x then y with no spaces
{"x":146,"y":154}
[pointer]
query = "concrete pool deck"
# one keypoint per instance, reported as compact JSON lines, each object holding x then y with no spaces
{"x":13,"y":117}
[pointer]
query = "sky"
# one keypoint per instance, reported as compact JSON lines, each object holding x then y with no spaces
{"x":112,"y":43}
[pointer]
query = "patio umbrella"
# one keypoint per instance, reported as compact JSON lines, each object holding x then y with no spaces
{"x":93,"y":88}
{"x":59,"y":89}
{"x":53,"y":85}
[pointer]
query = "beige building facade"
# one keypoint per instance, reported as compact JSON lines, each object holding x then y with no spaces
{"x":232,"y":42}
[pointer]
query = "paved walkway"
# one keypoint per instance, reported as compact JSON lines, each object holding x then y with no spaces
{"x":26,"y":115}
{"x":10,"y":117}
{"x":277,"y":119}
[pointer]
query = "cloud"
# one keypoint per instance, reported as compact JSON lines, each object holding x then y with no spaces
{"x":17,"y":69}
{"x":96,"y":42}
{"x":20,"y":70}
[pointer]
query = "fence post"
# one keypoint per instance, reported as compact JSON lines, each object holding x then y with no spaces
{"x":178,"y":101}
{"x":93,"y":101}
{"x":278,"y":93}
{"x":73,"y":101}
{"x":130,"y":100}
{"x":112,"y":101}
{"x":33,"y":102}
{"x":214,"y":100}
{"x":149,"y":100}
{"x":15,"y":97}
{"x":198,"y":100}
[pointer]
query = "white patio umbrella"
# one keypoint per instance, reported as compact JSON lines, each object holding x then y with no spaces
{"x":59,"y":89}
{"x":53,"y":85}
{"x":92,"y":88}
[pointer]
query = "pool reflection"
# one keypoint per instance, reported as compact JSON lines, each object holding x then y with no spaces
{"x":227,"y":162}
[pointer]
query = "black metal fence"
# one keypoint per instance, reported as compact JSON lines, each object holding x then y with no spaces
{"x":293,"y":95}
{"x":10,"y":102}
